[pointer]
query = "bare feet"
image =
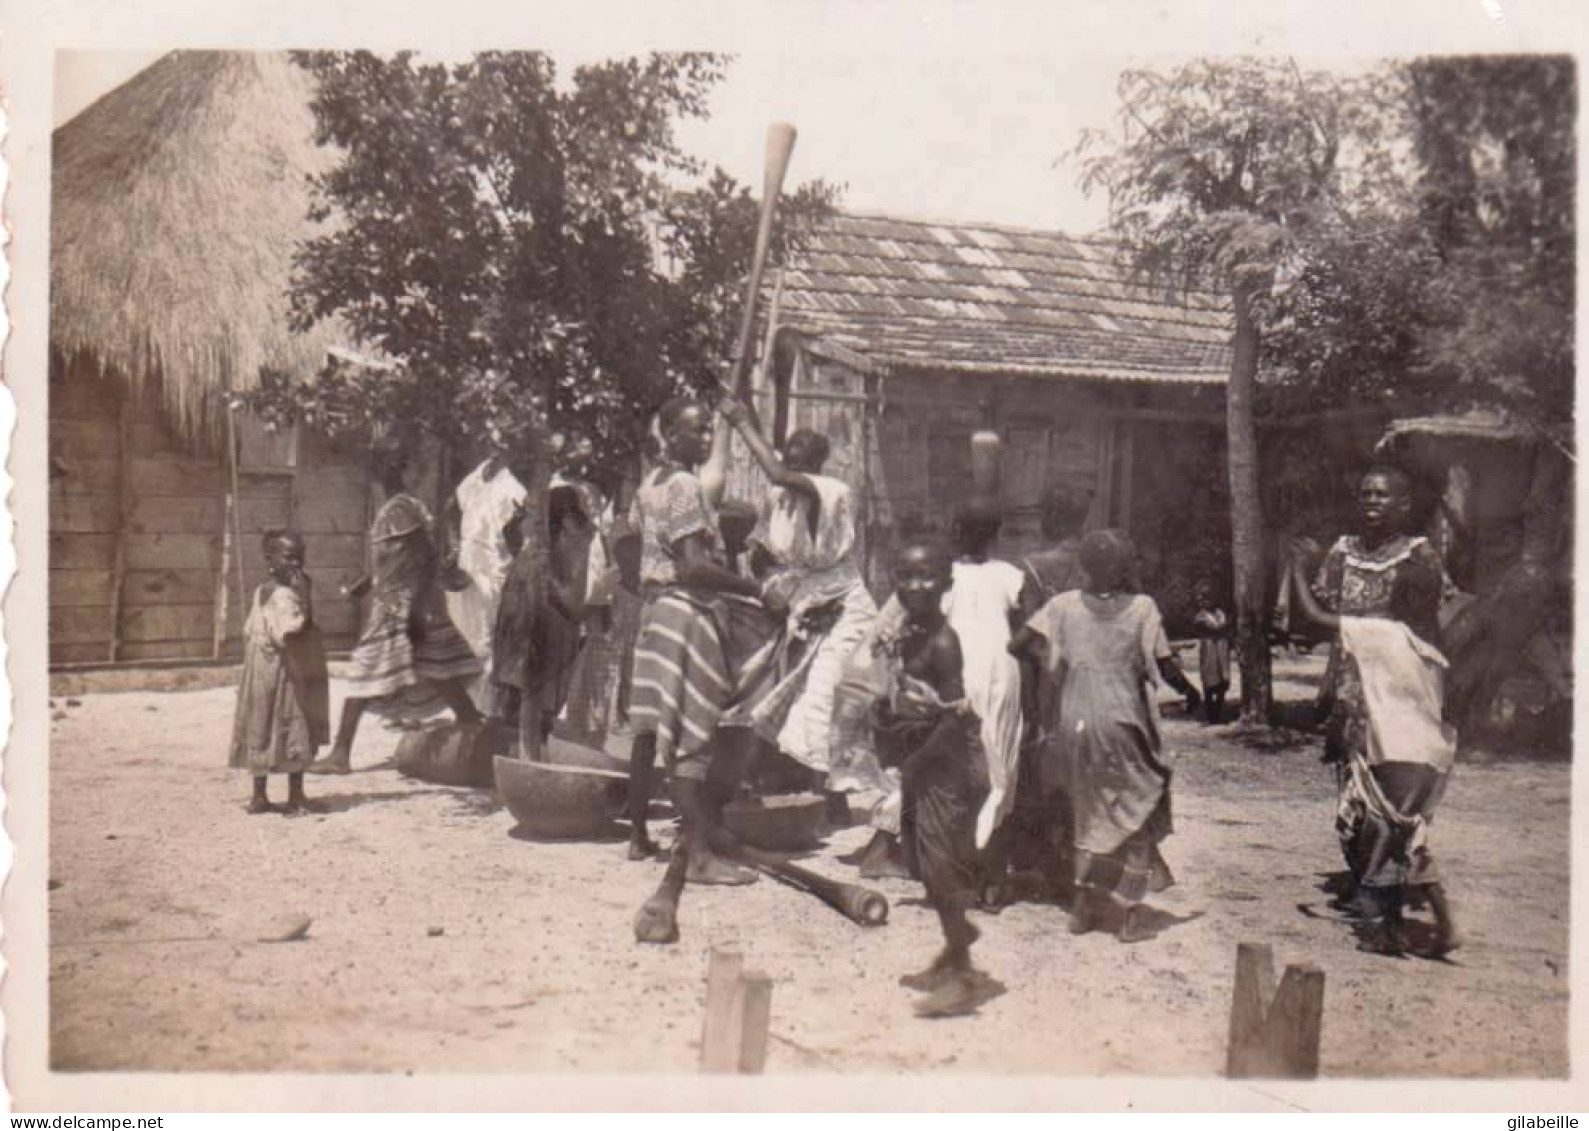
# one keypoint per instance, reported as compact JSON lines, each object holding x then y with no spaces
{"x":1448,"y":936}
{"x":336,"y":762}
{"x":259,"y":805}
{"x":298,"y":805}
{"x":1084,"y":915}
{"x":657,"y":921}
{"x":932,"y":975}
{"x":882,"y":859}
{"x":1383,"y":937}
{"x":1135,"y":928}
{"x":955,"y":995}
{"x":642,"y":847}
{"x":706,"y":867}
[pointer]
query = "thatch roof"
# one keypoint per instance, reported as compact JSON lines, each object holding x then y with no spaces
{"x":177,"y":201}
{"x":974,"y":298}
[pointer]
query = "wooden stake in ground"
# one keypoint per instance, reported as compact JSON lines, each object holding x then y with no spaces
{"x":1274,"y":1033}
{"x":738,"y":1013}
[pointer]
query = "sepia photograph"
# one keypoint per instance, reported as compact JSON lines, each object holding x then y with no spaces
{"x":779,"y":562}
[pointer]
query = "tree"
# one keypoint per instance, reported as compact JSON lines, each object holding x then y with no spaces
{"x":1231,"y":174}
{"x":494,"y":241}
{"x":1494,"y":137}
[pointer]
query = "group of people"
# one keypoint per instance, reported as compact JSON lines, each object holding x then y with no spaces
{"x":996,"y":709}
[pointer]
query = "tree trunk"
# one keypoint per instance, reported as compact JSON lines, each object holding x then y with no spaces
{"x":537,"y":542}
{"x":1246,"y":516}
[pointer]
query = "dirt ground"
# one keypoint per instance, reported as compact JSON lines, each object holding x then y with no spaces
{"x":441,"y":943}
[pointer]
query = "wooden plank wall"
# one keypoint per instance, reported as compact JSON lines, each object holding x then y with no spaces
{"x":83,"y":451}
{"x":1051,"y":437}
{"x":325,"y":498}
{"x":176,"y":523}
{"x":169,"y":545}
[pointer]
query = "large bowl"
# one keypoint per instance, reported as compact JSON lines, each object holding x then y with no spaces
{"x":452,"y":754}
{"x":561,"y":752}
{"x":780,"y":823}
{"x":553,"y":802}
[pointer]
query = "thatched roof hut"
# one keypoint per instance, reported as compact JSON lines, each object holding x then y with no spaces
{"x":177,"y":203}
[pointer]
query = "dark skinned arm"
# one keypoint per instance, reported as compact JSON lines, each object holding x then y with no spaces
{"x":1027,"y":644}
{"x":697,"y":569}
{"x":947,"y":665}
{"x":1307,"y":602}
{"x":1171,"y":673}
{"x":739,"y":416}
{"x":761,"y":562}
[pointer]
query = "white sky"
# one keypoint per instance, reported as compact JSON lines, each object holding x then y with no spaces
{"x":970,"y":138}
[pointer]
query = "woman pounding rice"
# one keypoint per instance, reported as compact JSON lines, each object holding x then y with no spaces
{"x":704,"y":659}
{"x":803,"y":547}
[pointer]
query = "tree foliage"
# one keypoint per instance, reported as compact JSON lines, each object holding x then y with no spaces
{"x":496,"y":243}
{"x":1223,"y":175}
{"x":1495,"y":143}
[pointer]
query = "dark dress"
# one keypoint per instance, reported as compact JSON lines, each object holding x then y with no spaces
{"x":945,"y":783}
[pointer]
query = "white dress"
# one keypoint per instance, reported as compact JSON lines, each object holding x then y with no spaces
{"x":979,"y":607}
{"x":813,"y":570}
{"x":485,"y":506}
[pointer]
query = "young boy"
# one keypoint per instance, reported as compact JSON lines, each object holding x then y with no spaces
{"x":926,"y":724}
{"x":283,"y":710}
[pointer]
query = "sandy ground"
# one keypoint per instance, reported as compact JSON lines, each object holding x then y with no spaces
{"x":442,"y":943}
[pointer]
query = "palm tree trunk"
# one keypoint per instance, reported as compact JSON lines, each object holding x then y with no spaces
{"x":1246,"y":516}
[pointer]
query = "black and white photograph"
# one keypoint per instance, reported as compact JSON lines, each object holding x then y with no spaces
{"x":796,"y":559}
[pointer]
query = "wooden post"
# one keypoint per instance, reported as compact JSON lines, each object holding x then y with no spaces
{"x":724,"y":1009}
{"x":237,"y":512}
{"x":755,"y":1020}
{"x":118,"y":569}
{"x":738,"y":1014}
{"x":1274,"y":1034}
{"x":222,"y":592}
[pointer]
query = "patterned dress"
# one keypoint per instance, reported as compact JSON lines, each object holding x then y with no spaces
{"x":1381,"y":699}
{"x":408,"y":642}
{"x":282,"y":714}
{"x":1104,"y":753}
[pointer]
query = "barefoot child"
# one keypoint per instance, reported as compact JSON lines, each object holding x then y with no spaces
{"x":282,"y":704}
{"x":1101,"y":647}
{"x":1213,"y":653}
{"x":927,"y":724}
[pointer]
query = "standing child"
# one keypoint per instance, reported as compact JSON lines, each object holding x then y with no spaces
{"x":1213,"y":653}
{"x":1101,"y":647}
{"x":283,"y":709}
{"x":927,"y":724}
